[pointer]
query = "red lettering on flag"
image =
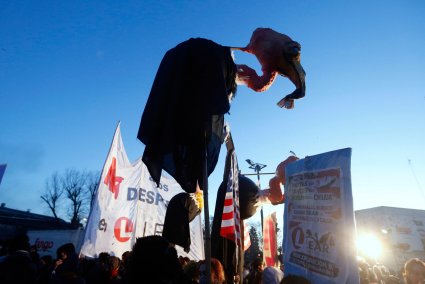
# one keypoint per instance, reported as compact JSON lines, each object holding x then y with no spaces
{"x":123,"y":229}
{"x":112,"y":180}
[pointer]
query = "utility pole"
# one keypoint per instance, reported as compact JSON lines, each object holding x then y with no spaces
{"x":257,"y":167}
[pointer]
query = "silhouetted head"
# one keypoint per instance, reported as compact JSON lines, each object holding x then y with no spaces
{"x":19,"y":242}
{"x":295,"y":279}
{"x":153,"y":260}
{"x":414,"y":271}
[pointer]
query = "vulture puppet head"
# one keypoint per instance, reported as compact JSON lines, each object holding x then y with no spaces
{"x":277,"y":54}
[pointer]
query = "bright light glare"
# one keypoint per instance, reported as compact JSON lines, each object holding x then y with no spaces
{"x":369,"y":245}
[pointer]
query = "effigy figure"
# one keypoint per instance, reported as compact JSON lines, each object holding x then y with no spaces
{"x":196,"y":80}
{"x":183,"y":120}
{"x":278,"y":54}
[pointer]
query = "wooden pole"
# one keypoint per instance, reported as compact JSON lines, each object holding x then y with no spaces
{"x":207,"y":247}
{"x":257,"y":169}
{"x":241,"y":252}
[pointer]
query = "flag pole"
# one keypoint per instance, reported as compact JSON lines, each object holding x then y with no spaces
{"x":240,"y":249}
{"x":207,"y":247}
{"x":257,"y":169}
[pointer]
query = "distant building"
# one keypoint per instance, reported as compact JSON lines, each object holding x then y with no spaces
{"x":13,"y":222}
{"x":401,"y":231}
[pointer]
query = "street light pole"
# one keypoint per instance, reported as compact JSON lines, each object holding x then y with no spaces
{"x":257,"y":168}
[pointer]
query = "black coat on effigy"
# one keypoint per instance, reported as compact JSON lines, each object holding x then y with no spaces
{"x":181,"y":210}
{"x":187,"y":102}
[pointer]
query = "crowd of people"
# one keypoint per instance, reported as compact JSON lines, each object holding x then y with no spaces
{"x":413,"y":272}
{"x":154,"y":260}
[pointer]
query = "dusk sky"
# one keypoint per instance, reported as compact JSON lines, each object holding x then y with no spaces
{"x":70,"y":70}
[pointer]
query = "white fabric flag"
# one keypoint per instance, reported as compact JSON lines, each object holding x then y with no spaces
{"x":129,"y":205}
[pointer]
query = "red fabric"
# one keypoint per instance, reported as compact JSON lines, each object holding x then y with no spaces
{"x":227,"y":216}
{"x":269,"y":240}
{"x":228,"y":202}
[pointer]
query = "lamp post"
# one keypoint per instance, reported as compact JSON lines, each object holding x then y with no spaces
{"x":257,"y":167}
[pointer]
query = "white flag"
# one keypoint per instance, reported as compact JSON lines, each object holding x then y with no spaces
{"x":128,"y":204}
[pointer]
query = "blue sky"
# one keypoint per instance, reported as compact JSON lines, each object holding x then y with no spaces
{"x":70,"y":70}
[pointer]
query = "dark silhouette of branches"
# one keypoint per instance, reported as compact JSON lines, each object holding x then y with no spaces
{"x":74,"y":185}
{"x":77,"y":188}
{"x":92,"y":184}
{"x":52,"y":194}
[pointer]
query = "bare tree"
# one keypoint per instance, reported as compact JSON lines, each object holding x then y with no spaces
{"x":92,"y":184}
{"x":52,"y":194}
{"x":74,"y":184}
{"x":79,"y":187}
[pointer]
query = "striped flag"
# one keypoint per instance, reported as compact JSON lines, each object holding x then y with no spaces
{"x":246,"y":237}
{"x":230,"y":228}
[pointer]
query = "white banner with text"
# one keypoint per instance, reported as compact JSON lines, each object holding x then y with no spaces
{"x":319,"y":228}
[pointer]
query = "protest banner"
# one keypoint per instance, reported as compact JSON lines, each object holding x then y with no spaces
{"x":129,"y":205}
{"x":319,"y":228}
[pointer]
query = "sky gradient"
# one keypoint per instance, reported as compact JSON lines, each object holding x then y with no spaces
{"x":70,"y":70}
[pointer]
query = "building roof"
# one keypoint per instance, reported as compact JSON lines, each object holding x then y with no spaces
{"x":30,"y":221}
{"x":391,"y":210}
